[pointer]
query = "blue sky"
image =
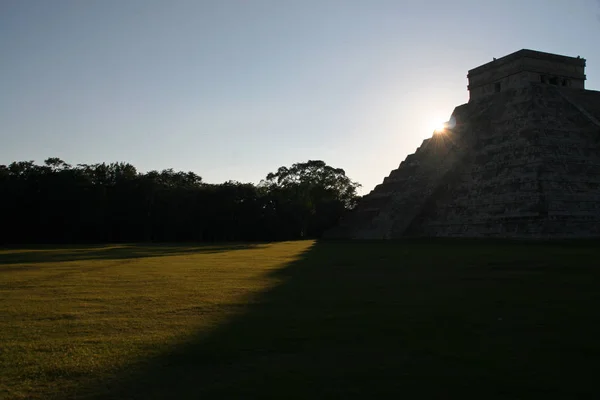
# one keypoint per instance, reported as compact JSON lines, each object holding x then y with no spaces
{"x":234,"y":89}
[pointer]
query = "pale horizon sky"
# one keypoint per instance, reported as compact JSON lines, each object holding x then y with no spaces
{"x":232,"y":90}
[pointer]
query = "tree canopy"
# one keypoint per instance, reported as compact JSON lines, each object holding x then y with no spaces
{"x":314,"y":194}
{"x":112,"y":202}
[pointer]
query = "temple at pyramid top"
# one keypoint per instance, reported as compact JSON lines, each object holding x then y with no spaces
{"x":522,"y":68}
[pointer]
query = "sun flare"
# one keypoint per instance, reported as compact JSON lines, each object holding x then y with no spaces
{"x":438,"y":125}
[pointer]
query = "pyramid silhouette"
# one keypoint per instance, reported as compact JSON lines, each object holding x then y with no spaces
{"x":521,"y":159}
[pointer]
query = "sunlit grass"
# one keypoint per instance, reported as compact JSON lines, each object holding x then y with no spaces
{"x":414,"y":319}
{"x":66,"y":322}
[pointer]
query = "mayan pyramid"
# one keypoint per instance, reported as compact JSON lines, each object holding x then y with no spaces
{"x":521,"y":159}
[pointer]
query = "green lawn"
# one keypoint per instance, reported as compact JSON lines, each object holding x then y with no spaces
{"x":301,"y":320}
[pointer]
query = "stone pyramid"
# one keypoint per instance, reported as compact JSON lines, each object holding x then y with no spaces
{"x":521,"y":159}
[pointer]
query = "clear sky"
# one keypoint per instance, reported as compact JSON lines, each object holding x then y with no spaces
{"x":234,"y":89}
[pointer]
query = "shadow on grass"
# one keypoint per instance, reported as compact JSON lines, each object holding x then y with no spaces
{"x":42,"y":254}
{"x":368,"y":320}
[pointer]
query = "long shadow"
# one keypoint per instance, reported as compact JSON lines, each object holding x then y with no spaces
{"x":46,"y":253}
{"x":381,"y":319}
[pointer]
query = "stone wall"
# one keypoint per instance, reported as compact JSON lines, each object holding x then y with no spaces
{"x":524,"y":67}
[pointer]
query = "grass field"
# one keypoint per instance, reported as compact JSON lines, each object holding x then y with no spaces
{"x":301,"y":320}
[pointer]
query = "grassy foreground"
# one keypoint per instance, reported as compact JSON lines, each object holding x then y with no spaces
{"x":301,"y":320}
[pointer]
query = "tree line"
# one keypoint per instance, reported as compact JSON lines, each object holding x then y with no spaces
{"x":113,"y":202}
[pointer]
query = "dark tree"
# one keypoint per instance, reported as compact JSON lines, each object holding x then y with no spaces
{"x":312,"y":196}
{"x":58,"y":203}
